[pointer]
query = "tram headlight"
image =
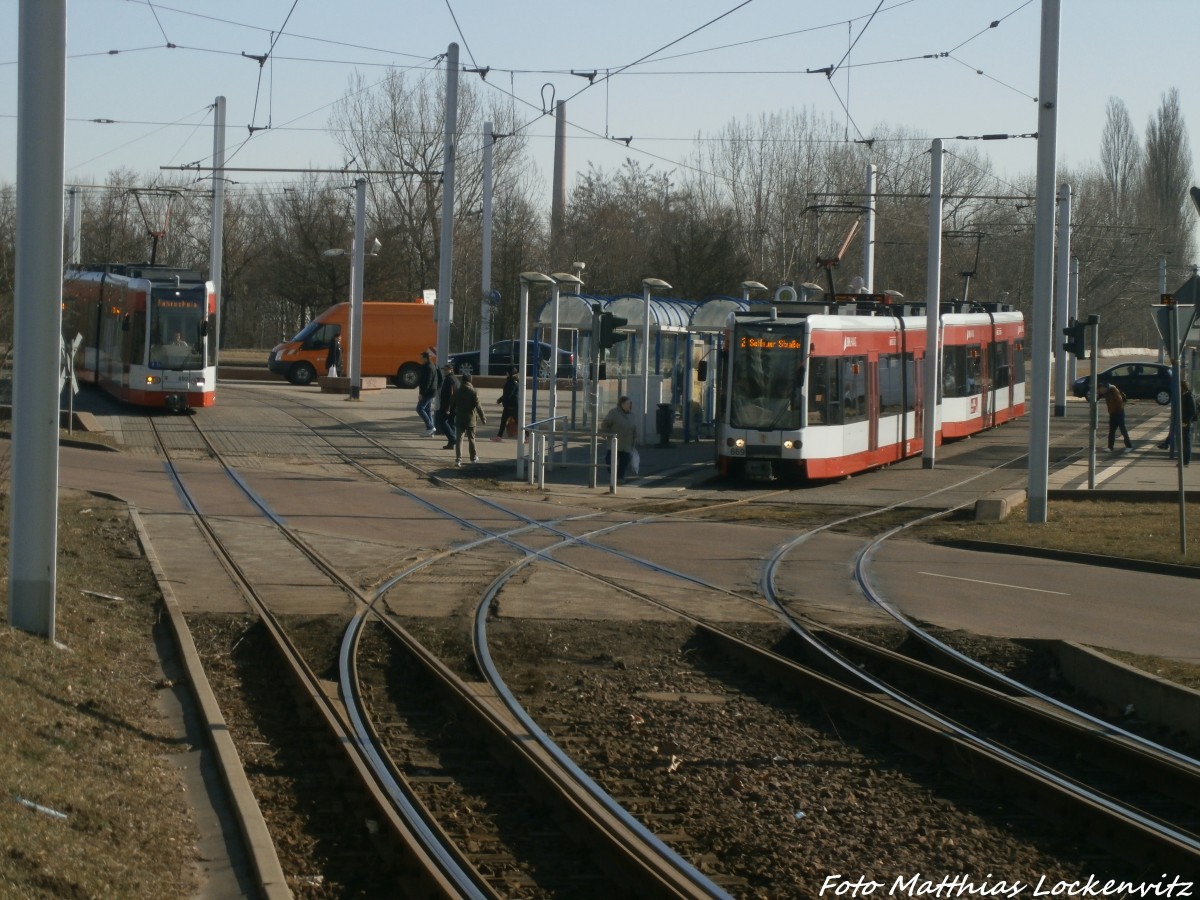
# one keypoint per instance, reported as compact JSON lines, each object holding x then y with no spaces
{"x":789,"y":444}
{"x":735,"y":442}
{"x":152,"y":379}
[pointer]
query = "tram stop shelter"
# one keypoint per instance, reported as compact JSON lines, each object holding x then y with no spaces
{"x":683,"y":333}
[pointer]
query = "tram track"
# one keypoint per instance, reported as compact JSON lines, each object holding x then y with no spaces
{"x":1177,"y":847}
{"x":626,"y":858}
{"x":540,"y":553}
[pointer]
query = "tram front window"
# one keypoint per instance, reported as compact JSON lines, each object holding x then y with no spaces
{"x":176,"y":329}
{"x":768,"y":378}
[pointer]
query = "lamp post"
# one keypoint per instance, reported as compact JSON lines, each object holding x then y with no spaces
{"x":560,"y":278}
{"x":527,"y":278}
{"x":810,"y":289}
{"x":648,"y":285}
{"x":748,"y":286}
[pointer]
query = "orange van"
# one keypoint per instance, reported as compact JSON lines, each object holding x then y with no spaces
{"x":394,"y":334}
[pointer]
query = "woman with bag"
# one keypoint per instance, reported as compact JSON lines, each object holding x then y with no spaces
{"x":508,"y":403}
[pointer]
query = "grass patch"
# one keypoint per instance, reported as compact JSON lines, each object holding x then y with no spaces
{"x":1147,"y":531}
{"x":83,"y":739}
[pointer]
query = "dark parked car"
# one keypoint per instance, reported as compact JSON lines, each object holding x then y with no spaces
{"x":1137,"y":381}
{"x":503,"y":354}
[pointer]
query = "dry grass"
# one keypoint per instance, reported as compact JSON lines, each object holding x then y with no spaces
{"x":1147,"y":531}
{"x":83,"y":738}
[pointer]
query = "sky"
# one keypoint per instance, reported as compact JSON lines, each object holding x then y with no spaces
{"x":667,"y":73}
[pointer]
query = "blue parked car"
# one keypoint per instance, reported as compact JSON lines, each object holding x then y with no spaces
{"x":503,"y":354}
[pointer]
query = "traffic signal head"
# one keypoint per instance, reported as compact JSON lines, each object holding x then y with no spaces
{"x":1076,"y":342}
{"x":608,"y":325}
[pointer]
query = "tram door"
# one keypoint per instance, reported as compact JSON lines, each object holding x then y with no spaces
{"x":873,"y":405}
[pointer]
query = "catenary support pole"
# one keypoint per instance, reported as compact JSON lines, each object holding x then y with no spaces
{"x":37,"y":315}
{"x":869,"y":233}
{"x":933,"y":299}
{"x":1062,"y":300}
{"x":485,"y":257}
{"x":446,"y":250}
{"x":357,"y":268}
{"x":1043,"y":267}
{"x":216,"y":242}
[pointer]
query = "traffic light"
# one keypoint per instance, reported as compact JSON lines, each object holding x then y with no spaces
{"x":607,"y":332}
{"x":1076,"y":342}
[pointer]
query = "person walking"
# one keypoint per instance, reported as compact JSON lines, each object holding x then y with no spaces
{"x":444,"y":417}
{"x":466,"y":411}
{"x":508,"y":402}
{"x":333,"y":361}
{"x":428,"y":383}
{"x":1115,"y":401}
{"x":619,"y":423}
{"x":1187,"y":415}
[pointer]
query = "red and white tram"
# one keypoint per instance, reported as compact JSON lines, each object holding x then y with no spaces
{"x":146,"y":333}
{"x":818,"y":391}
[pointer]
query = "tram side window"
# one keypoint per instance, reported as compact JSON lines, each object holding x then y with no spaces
{"x":891,"y":383}
{"x":823,"y":392}
{"x":974,"y":370}
{"x":1001,"y":371}
{"x":954,"y":372}
{"x":854,"y":388}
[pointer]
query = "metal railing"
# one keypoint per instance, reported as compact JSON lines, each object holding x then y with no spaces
{"x":541,"y":442}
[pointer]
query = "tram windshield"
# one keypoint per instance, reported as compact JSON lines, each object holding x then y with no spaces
{"x":768,"y":376}
{"x":178,"y":321}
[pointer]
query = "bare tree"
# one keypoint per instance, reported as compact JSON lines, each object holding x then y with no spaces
{"x":1120,"y":158}
{"x":1166,"y":176}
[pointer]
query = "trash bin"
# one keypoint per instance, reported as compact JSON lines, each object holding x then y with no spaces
{"x":664,"y":420}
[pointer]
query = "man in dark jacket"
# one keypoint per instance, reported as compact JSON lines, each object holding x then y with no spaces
{"x":466,"y":411}
{"x":444,"y":417}
{"x":427,"y":389}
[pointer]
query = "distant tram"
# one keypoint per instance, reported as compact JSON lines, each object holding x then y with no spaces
{"x":146,"y":333}
{"x":816,"y":390}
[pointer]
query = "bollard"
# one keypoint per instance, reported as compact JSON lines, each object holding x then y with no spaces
{"x":613,"y":466}
{"x":664,"y":420}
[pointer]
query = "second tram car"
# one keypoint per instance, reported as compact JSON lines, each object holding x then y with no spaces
{"x":146,"y":333}
{"x":819,"y":391}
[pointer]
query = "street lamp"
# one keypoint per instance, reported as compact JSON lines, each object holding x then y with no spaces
{"x":748,"y":286}
{"x":527,"y":278}
{"x":810,"y":288}
{"x":560,"y":278}
{"x":648,"y":285}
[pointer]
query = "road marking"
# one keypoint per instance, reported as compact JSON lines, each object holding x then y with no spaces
{"x":994,"y":583}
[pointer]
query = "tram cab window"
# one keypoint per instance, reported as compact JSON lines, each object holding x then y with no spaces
{"x":767,"y":362}
{"x":1018,"y":362}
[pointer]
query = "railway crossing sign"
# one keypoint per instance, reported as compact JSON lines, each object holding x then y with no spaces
{"x":67,"y":357}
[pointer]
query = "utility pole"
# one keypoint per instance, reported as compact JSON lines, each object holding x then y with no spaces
{"x":216,"y":253}
{"x":37,"y":315}
{"x":446,"y":262}
{"x":933,"y":303}
{"x":1043,"y":266}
